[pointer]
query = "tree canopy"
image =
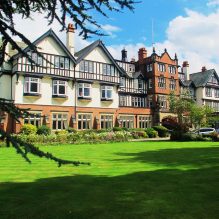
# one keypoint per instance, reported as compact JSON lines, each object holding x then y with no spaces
{"x":80,"y":12}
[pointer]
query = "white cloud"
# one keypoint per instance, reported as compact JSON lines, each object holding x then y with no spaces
{"x":194,"y":37}
{"x":38,"y":25}
{"x":110,"y":30}
{"x":213,"y":3}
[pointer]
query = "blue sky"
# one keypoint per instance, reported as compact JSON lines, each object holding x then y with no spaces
{"x":137,"y":26}
{"x":189,"y":28}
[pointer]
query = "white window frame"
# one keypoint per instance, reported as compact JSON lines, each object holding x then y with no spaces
{"x":34,"y":119}
{"x":27,"y":85}
{"x":106,"y":121}
{"x":58,"y":84}
{"x":86,"y":121}
{"x":144,"y":121}
{"x":84,"y":86}
{"x":104,"y":92}
{"x":127,"y":121}
{"x":61,"y":118}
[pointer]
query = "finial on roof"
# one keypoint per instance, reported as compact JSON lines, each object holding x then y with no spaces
{"x":154,"y":50}
{"x":176,"y":58}
{"x":165,"y":50}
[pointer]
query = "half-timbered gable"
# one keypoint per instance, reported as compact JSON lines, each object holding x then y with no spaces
{"x":98,"y":77}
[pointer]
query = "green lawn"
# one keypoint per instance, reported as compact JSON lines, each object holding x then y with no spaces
{"x":150,"y":180}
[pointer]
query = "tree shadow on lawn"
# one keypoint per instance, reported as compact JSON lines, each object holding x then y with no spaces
{"x":193,"y":157}
{"x":161,"y":194}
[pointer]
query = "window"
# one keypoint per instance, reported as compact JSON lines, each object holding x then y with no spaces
{"x":216,"y":106}
{"x":108,"y":69}
{"x":106,"y":121}
{"x":59,"y":87}
{"x":149,"y":68}
{"x":122,"y":82}
{"x":106,"y":92}
{"x":161,"y":67}
{"x":150,"y":101}
{"x":150,"y":84}
{"x":61,"y":62}
{"x":34,"y":119}
{"x":213,"y":80}
{"x":140,"y":84}
{"x":208,"y":92}
{"x":32,"y":85}
{"x":84,"y":90}
{"x":172,"y":69}
{"x":172,"y":84}
{"x":161,"y":82}
{"x":138,"y":102}
{"x":84,"y":121}
{"x":59,"y":121}
{"x":144,"y":121}
{"x":87,"y":66}
{"x":122,"y":100}
{"x":36,"y":58}
{"x":127,"y":121}
{"x":216,"y":93}
{"x":162,"y":101}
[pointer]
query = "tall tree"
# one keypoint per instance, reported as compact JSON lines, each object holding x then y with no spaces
{"x":80,"y":11}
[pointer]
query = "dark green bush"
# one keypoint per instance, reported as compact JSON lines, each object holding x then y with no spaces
{"x":43,"y":130}
{"x":28,"y":129}
{"x":117,"y":129}
{"x":151,"y":133}
{"x":162,"y":131}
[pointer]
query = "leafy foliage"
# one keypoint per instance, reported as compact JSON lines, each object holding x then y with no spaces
{"x":81,"y":13}
{"x":28,"y":129}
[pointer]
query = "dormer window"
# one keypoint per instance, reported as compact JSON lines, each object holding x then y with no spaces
{"x":59,"y":88}
{"x":31,"y":85}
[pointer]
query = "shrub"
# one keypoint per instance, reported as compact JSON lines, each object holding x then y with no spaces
{"x":117,"y":129}
{"x":28,"y":129}
{"x":43,"y":130}
{"x":162,"y":131}
{"x":125,"y":129}
{"x":71,"y":130}
{"x":214,"y":136}
{"x":151,"y":133}
{"x":139,"y":134}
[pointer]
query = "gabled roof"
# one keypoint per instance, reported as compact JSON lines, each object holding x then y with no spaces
{"x":52,"y":34}
{"x":138,"y":75}
{"x":186,"y":83}
{"x":200,"y":79}
{"x":85,"y":51}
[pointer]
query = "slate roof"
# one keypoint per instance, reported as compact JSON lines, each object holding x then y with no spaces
{"x":186,"y":83}
{"x":200,"y":79}
{"x":52,"y":34}
{"x":85,"y":51}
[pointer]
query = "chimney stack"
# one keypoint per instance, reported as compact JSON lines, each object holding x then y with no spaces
{"x":124,"y":55}
{"x":142,"y":54}
{"x":204,"y":69}
{"x":70,"y":41}
{"x":185,"y":69}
